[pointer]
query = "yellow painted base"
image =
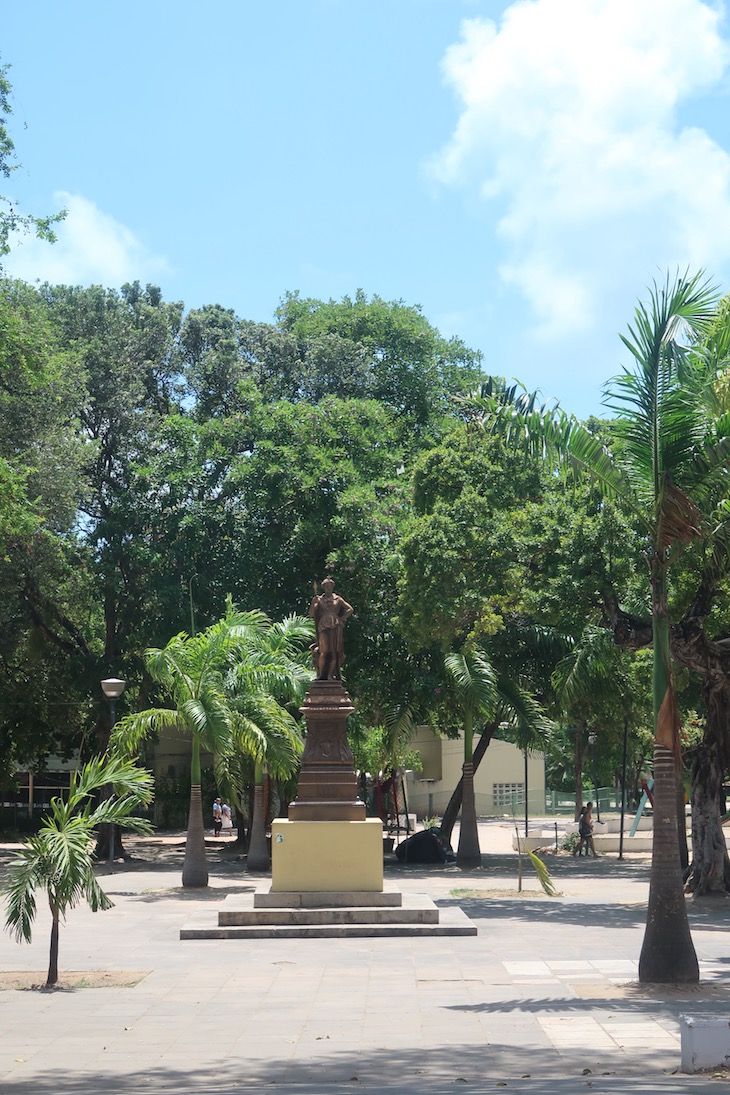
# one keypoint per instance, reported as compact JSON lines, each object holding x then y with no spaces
{"x":327,"y":856}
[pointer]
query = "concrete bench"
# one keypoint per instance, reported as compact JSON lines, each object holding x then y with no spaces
{"x":704,"y":1041}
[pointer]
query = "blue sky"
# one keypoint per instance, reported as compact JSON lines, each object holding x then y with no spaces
{"x":521,"y":170}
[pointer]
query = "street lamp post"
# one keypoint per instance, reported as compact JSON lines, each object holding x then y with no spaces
{"x":592,"y":742}
{"x":112,"y":688}
{"x":623,"y":788}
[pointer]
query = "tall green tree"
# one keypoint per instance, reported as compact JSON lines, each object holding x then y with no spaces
{"x":384,"y":350}
{"x":668,"y":455}
{"x":43,"y":579}
{"x":59,"y":859}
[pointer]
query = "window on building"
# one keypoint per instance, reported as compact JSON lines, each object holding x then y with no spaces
{"x":508,"y":794}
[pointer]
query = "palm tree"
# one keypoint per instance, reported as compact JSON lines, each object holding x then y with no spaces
{"x":669,"y":452}
{"x":474,"y":684}
{"x":519,"y":668}
{"x":586,"y":681}
{"x":270,"y":674}
{"x":191,"y":669}
{"x":59,"y":859}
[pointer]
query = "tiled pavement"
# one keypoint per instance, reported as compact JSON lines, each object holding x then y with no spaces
{"x":539,"y":1001}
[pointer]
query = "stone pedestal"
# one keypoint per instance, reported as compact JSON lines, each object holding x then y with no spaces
{"x":327,"y":856}
{"x":327,"y":788}
{"x":328,"y":844}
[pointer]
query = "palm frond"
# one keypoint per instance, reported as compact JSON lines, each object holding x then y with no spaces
{"x":557,"y":439}
{"x":131,"y":730}
{"x":543,"y":874}
{"x":25,"y":872}
{"x":588,"y":670}
{"x":474,"y":680}
{"x":522,"y":712}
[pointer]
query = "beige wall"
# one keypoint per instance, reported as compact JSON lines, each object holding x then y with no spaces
{"x":503,"y":763}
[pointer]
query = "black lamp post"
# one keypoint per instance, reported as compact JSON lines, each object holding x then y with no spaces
{"x":623,"y":787}
{"x":592,"y":737}
{"x":112,"y":688}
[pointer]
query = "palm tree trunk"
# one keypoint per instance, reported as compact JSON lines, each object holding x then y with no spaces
{"x":667,"y":953}
{"x":682,"y":826}
{"x":469,"y":853}
{"x":195,"y":867}
{"x":53,"y":955}
{"x":258,"y":853}
{"x":454,"y":805}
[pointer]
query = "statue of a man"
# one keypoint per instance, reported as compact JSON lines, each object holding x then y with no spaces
{"x":329,"y":612}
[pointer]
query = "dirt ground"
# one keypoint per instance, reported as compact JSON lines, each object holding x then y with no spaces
{"x":35,"y":980}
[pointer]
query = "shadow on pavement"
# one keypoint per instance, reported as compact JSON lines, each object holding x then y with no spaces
{"x":440,"y":1071}
{"x":639,"y":1000}
{"x":558,"y":865}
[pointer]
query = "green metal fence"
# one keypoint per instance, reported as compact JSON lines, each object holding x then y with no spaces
{"x":552,"y":803}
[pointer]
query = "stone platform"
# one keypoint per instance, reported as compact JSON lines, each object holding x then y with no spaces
{"x":305,"y":914}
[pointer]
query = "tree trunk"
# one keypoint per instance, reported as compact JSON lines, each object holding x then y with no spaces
{"x":454,"y":805}
{"x":579,"y":755}
{"x":711,"y":662}
{"x":709,"y":872}
{"x":242,"y":835}
{"x":195,"y":867}
{"x":101,"y":850}
{"x":682,"y":827}
{"x":53,"y":956}
{"x":469,"y":853}
{"x":258,"y":852}
{"x":667,"y":953}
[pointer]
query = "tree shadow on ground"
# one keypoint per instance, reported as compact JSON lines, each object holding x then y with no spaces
{"x":633,"y":999}
{"x":435,"y":1070}
{"x":197,"y":893}
{"x":706,"y":917}
{"x":552,"y":910}
{"x":560,"y":866}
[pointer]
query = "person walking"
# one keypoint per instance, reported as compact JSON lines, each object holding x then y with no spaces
{"x":585,"y":831}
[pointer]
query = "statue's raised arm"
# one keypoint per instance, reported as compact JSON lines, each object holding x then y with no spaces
{"x":329,"y":612}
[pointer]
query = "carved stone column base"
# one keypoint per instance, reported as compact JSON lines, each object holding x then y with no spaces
{"x":327,"y":788}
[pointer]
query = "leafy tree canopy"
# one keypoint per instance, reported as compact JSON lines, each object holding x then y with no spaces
{"x":11,"y":220}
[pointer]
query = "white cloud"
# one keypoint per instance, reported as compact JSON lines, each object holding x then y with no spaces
{"x":569,"y":126}
{"x":92,"y":248}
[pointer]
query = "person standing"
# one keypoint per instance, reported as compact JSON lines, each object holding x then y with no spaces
{"x":227,"y":820}
{"x":217,"y":817}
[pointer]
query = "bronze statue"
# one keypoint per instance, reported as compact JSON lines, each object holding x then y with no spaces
{"x":329,"y":612}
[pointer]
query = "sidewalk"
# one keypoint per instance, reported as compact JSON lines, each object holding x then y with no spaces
{"x":539,"y":1002}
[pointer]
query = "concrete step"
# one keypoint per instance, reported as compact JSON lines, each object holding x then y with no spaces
{"x":414,"y":909}
{"x":452,"y":921}
{"x":266,"y":898}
